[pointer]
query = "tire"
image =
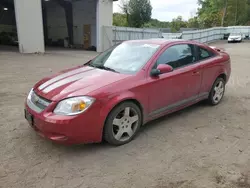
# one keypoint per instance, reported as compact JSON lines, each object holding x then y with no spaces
{"x":218,"y":90}
{"x":122,"y":123}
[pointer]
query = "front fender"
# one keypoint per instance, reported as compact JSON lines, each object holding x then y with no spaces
{"x":111,"y":102}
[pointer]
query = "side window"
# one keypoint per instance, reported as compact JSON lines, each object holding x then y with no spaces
{"x":177,"y":56}
{"x":204,"y":54}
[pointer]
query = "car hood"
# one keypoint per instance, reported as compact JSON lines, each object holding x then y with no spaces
{"x":74,"y":82}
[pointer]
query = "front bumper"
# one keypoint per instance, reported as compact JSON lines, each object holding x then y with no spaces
{"x":82,"y":128}
{"x":234,"y":40}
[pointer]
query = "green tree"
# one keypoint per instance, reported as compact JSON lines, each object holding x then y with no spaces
{"x":154,"y":23}
{"x":210,"y":13}
{"x":138,"y":12}
{"x":120,"y":20}
{"x":193,"y":22}
{"x":223,"y":12}
{"x":178,"y":23}
{"x":125,"y":10}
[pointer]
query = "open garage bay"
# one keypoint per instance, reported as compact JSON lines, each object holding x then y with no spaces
{"x":201,"y":146}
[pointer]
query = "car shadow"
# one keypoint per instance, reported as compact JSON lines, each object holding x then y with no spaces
{"x":144,"y":129}
{"x":103,"y":146}
{"x":172,"y":116}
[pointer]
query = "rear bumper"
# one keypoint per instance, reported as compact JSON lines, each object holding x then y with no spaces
{"x":83,"y":128}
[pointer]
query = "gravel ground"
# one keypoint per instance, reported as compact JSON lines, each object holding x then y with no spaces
{"x":201,"y":146}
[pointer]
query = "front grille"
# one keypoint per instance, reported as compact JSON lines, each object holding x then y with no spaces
{"x":39,"y":102}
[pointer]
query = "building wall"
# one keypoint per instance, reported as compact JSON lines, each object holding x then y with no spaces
{"x":84,"y":12}
{"x":104,"y":17}
{"x":7,"y":20}
{"x":29,"y":26}
{"x":57,"y":27}
{"x":7,"y":17}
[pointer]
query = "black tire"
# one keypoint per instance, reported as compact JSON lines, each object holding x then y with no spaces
{"x":108,"y":127}
{"x":211,"y":100}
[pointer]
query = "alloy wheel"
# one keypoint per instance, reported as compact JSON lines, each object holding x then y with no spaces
{"x":218,"y":92}
{"x":125,"y":124}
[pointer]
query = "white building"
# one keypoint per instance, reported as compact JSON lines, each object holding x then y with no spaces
{"x":53,"y":21}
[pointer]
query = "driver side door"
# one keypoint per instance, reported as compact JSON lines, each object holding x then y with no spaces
{"x":174,"y":89}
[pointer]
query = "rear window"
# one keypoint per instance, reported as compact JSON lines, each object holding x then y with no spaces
{"x":204,"y":53}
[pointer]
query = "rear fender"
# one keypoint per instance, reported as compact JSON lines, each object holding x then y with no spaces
{"x":220,"y":71}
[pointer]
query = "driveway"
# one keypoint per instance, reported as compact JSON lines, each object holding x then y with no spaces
{"x":201,"y":146}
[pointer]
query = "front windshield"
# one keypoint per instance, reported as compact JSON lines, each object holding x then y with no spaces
{"x":235,"y":34}
{"x":127,"y":57}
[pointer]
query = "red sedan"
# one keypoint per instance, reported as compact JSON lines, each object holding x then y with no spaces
{"x":112,"y":96}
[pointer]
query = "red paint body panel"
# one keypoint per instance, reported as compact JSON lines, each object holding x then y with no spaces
{"x":77,"y":129}
{"x":110,"y":88}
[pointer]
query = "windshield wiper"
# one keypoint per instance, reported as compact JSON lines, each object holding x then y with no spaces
{"x":103,"y":67}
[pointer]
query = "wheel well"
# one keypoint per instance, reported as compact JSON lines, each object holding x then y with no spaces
{"x":137,"y":103}
{"x":223,"y":76}
{"x":127,"y":100}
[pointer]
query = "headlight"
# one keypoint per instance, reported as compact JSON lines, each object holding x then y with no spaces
{"x":29,"y":95}
{"x":73,"y":106}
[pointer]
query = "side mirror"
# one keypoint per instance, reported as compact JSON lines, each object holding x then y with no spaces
{"x":161,"y":69}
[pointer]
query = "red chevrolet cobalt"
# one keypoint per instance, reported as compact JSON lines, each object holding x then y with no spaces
{"x":112,"y":96}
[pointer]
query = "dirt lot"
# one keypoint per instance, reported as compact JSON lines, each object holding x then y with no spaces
{"x":201,"y":146}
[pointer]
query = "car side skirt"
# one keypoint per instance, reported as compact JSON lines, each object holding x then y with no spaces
{"x":176,"y":106}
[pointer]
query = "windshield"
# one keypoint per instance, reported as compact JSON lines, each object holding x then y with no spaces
{"x":235,"y":34}
{"x":127,"y":57}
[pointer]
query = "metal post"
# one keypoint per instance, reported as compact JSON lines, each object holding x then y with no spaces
{"x":200,"y":36}
{"x":115,"y":35}
{"x":129,"y":35}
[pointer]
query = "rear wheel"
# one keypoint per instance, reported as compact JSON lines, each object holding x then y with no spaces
{"x":122,"y":124}
{"x":217,"y":92}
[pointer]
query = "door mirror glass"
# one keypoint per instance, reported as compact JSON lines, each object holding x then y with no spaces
{"x":155,"y":72}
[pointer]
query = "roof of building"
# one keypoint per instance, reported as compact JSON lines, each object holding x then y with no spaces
{"x":159,"y":41}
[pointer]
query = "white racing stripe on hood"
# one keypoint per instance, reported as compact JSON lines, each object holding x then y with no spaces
{"x":86,"y":75}
{"x":51,"y":81}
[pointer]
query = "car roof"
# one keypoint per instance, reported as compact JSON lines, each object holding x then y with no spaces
{"x":163,"y":42}
{"x":159,"y":41}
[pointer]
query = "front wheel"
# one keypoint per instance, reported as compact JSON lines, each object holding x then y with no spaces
{"x":122,"y":124}
{"x":217,"y":92}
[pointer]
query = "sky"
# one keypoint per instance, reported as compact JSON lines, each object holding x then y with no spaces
{"x":166,"y":10}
